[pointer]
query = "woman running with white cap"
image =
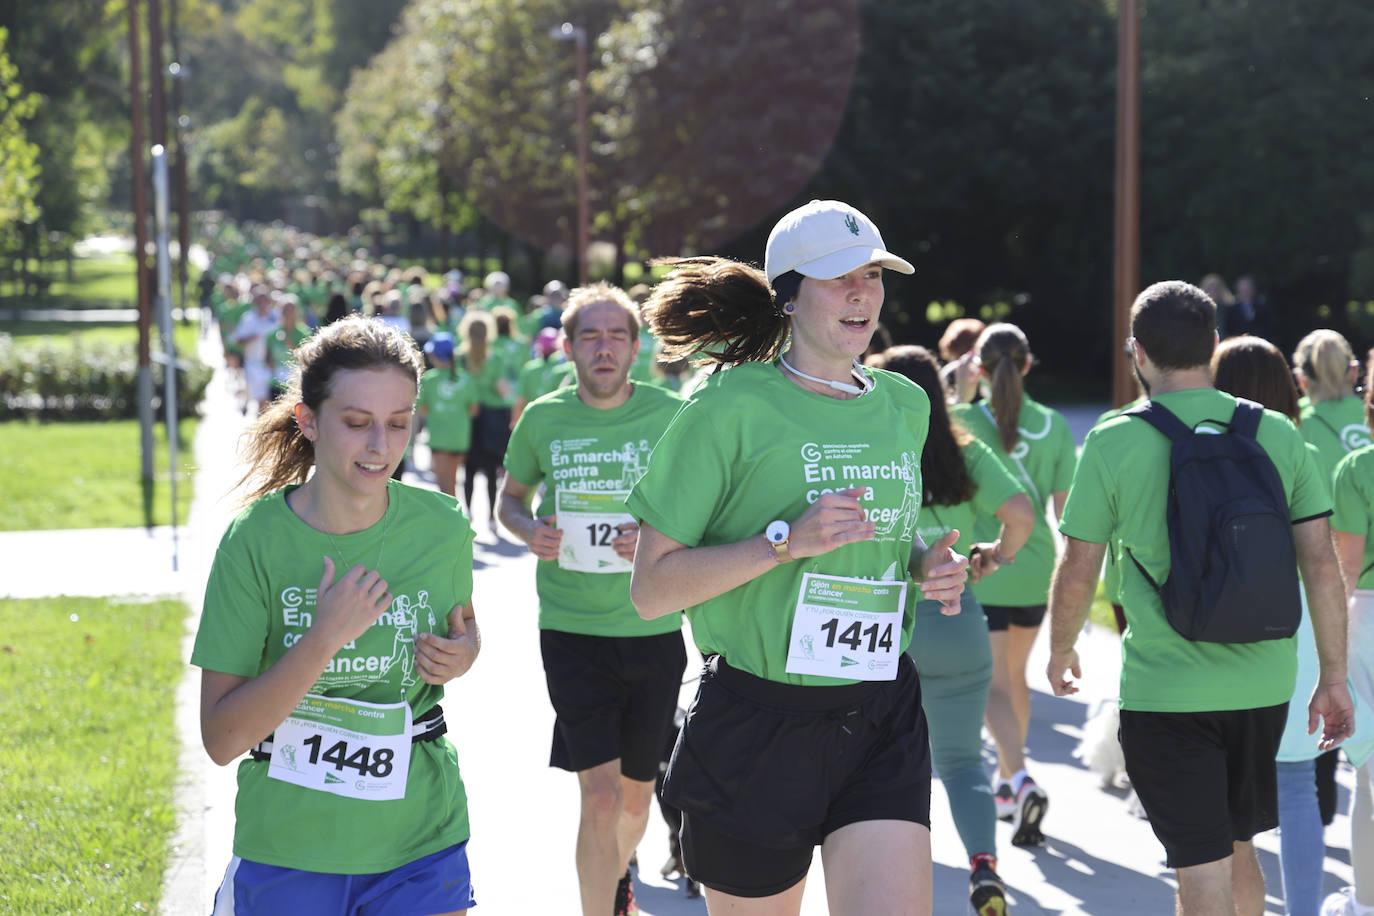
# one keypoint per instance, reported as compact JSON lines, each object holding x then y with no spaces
{"x":780,"y":510}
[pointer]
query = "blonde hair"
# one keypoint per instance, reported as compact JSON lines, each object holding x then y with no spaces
{"x":477,"y":329}
{"x":1324,"y":357}
{"x":275,"y":449}
{"x":1004,"y":350}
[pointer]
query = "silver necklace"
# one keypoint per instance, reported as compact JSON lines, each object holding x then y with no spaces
{"x":386,"y":524}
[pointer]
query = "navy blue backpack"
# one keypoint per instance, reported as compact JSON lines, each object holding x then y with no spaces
{"x":1233,"y":567}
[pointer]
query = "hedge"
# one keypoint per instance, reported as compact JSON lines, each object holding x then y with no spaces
{"x":86,"y":382}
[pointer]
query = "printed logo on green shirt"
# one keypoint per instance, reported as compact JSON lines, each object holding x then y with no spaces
{"x":840,"y":466}
{"x":405,"y":615}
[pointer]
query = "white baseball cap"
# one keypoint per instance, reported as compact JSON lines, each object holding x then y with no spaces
{"x":825,"y":239}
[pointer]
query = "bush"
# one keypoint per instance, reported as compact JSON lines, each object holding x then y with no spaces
{"x":86,"y":382}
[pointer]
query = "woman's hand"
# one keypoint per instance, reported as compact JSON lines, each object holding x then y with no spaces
{"x":346,"y":608}
{"x":832,"y":521}
{"x":439,"y":659}
{"x":943,"y":573}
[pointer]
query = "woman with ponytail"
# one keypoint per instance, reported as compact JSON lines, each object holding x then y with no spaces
{"x":1035,"y":444}
{"x":1333,"y":417}
{"x":962,"y":479}
{"x":491,"y":423}
{"x":780,"y":510}
{"x":338,"y":604}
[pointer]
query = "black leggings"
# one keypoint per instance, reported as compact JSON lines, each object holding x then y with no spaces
{"x":485,"y":463}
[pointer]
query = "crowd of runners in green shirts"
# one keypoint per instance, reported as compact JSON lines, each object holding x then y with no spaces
{"x":864,"y":539}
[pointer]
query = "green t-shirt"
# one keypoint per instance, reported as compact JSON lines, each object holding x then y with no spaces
{"x":995,"y":485}
{"x":643,"y":366}
{"x":280,"y":345}
{"x":1042,"y":461}
{"x":1336,"y":428}
{"x":539,"y":376}
{"x":487,"y":377}
{"x":1111,"y":564}
{"x":229,"y":320}
{"x":573,"y":448}
{"x":447,"y":399}
{"x":260,"y":599}
{"x":531,"y":323}
{"x":1354,"y":498}
{"x":1120,"y":491}
{"x":750,"y":447}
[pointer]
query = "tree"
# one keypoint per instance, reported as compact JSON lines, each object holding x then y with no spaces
{"x":19,"y":168}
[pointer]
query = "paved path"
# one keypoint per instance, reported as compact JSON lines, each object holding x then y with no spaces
{"x":1099,"y":860}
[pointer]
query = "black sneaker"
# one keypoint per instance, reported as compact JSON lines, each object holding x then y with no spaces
{"x":625,"y":897}
{"x":987,"y":893}
{"x":1031,"y":804}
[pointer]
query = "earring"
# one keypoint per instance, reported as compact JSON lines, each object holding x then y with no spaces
{"x":788,"y":308}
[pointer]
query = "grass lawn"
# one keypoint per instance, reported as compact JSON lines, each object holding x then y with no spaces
{"x":90,"y":753}
{"x":92,"y":333}
{"x":106,"y":281}
{"x":86,"y":475}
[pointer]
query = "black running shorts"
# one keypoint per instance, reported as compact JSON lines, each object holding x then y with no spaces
{"x":1001,"y":616}
{"x":1205,"y":779}
{"x":614,"y":697}
{"x":764,"y":771}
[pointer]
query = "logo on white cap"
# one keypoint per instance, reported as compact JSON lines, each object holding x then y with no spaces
{"x":809,"y":240}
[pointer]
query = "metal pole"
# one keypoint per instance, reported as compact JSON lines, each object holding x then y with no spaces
{"x":144,"y":377}
{"x":164,"y":316}
{"x":1126,"y":266}
{"x":178,"y":72}
{"x":583,"y":193}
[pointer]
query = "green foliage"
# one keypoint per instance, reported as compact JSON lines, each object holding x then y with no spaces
{"x":19,"y":168}
{"x":90,"y":752}
{"x":84,"y":381}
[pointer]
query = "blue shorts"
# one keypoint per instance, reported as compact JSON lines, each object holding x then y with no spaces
{"x":438,"y":883}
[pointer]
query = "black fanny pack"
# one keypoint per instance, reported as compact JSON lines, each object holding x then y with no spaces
{"x":427,"y":727}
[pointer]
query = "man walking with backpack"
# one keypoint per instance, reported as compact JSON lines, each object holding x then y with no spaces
{"x":1210,"y":504}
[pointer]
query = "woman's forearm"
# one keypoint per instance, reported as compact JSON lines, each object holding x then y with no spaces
{"x":669,"y":576}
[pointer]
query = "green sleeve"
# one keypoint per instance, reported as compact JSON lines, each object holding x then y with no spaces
{"x":1352,"y":503}
{"x":1090,"y":510}
{"x":1065,"y":456}
{"x":688,"y":475}
{"x":995,"y":483}
{"x":1311,"y":495}
{"x":232,"y":637}
{"x":522,"y":461}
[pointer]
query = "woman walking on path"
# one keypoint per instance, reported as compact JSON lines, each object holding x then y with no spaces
{"x":780,"y":511}
{"x":491,"y":423}
{"x":1035,"y":444}
{"x":336,"y":607}
{"x":1353,"y":524}
{"x":1253,"y":368}
{"x":962,"y":478}
{"x":447,"y":405}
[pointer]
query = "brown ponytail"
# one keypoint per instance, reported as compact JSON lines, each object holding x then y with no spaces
{"x":275,"y":449}
{"x":714,"y":310}
{"x":1003,"y":350}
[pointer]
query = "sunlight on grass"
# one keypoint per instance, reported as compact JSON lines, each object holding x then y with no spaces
{"x":87,"y":475}
{"x":90,"y":753}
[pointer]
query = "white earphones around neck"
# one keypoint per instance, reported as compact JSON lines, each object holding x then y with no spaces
{"x":864,"y":387}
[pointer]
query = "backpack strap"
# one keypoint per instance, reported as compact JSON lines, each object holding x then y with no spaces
{"x":1162,"y":419}
{"x":1245,"y":421}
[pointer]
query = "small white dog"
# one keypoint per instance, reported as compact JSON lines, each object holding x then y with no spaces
{"x":1100,"y":749}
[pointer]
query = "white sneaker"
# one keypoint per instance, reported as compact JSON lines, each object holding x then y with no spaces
{"x":1341,"y":903}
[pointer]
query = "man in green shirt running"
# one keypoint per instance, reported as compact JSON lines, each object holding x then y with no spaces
{"x":1200,"y":721}
{"x":613,"y":677}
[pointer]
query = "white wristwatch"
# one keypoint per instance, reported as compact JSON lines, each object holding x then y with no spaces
{"x":778,"y":532}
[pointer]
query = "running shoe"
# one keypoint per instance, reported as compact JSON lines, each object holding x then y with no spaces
{"x":1340,"y":903}
{"x":1004,"y":797}
{"x":987,"y":893}
{"x":625,"y":897}
{"x":1031,"y":802}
